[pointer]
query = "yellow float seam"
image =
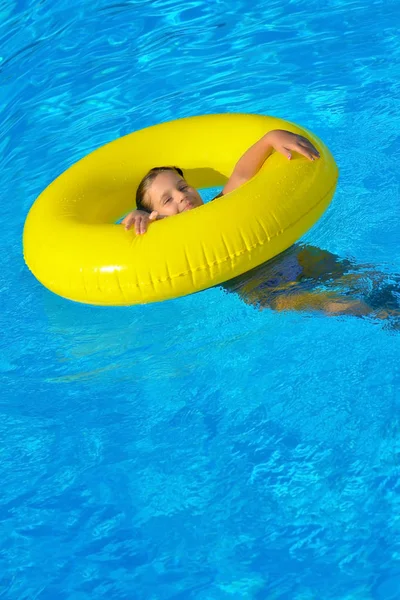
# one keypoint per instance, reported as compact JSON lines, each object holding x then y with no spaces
{"x":169,"y":272}
{"x":225,"y":243}
{"x":190,"y":270}
{"x":241,"y":252}
{"x":204,"y":252}
{"x":120,"y":287}
{"x":265,"y":232}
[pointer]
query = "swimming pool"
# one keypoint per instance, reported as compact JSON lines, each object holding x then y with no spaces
{"x":199,"y":448}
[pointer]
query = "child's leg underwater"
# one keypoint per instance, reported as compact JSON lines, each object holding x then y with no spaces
{"x":324,"y":302}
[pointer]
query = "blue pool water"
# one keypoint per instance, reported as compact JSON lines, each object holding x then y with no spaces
{"x":199,"y":448}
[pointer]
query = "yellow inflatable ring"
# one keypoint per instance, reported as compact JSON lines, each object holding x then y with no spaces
{"x":73,"y":245}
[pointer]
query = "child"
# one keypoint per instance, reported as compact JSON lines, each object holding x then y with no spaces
{"x":308,"y":279}
{"x":164,"y":192}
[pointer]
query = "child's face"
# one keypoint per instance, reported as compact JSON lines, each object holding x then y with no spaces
{"x":169,"y":194}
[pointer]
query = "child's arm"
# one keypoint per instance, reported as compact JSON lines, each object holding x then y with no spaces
{"x":253,"y":159}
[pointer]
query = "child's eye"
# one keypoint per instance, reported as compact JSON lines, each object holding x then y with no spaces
{"x":167,"y":200}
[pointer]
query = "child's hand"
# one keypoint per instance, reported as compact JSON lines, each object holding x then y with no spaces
{"x":140,"y":219}
{"x":284,"y":141}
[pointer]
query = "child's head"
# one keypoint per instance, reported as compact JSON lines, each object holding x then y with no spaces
{"x":165,"y":190}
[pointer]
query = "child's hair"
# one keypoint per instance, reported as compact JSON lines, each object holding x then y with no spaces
{"x":146,"y":183}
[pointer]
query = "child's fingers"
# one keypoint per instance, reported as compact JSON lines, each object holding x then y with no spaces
{"x":285,"y":151}
{"x":306,"y":149}
{"x":306,"y":152}
{"x":128,"y":221}
{"x":137,"y":225}
{"x":143,"y":225}
{"x":140,"y":222}
{"x":311,"y":152}
{"x":308,"y":146}
{"x":153,"y":215}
